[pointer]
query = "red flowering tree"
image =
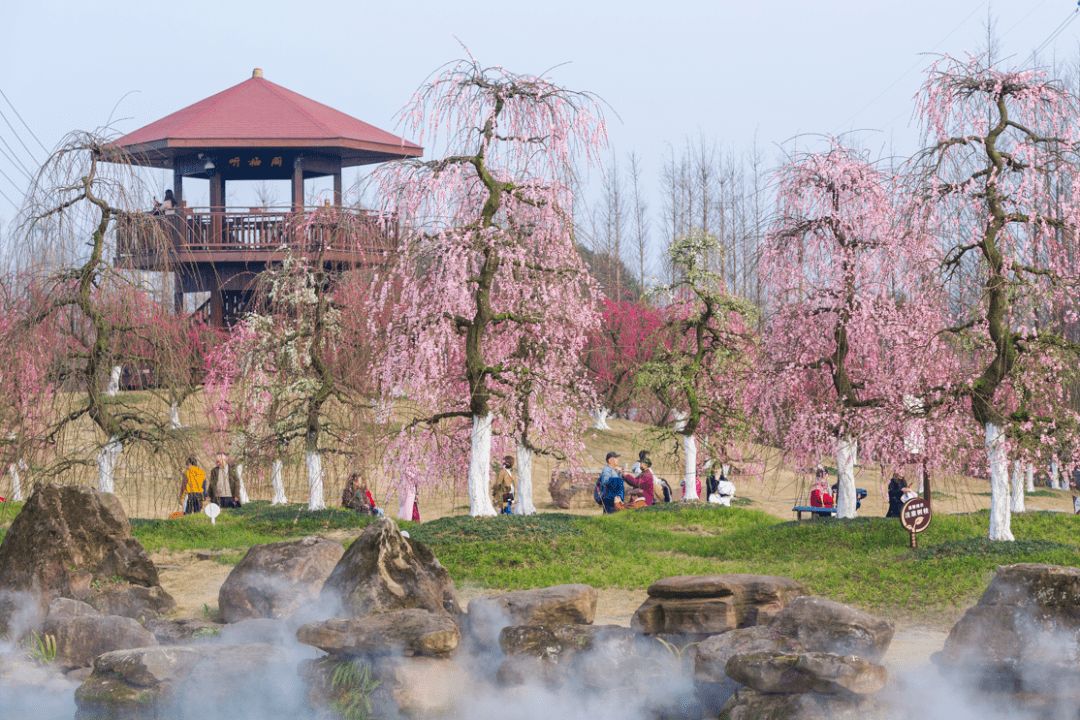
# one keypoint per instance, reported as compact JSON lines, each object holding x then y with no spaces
{"x":491,"y":269}
{"x":1001,"y":180}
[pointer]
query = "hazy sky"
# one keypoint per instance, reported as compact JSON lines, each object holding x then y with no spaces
{"x":668,"y":70}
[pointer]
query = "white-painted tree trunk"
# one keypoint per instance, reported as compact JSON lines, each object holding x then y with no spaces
{"x":689,"y":444}
{"x":16,"y":481}
{"x":107,"y":458}
{"x":174,"y":416}
{"x":600,"y":416}
{"x":480,"y":468}
{"x":315,"y":481}
{"x":277,"y":484}
{"x":1029,"y":478}
{"x":113,"y":388}
{"x":847,"y":449}
{"x":1055,"y":476}
{"x":243,"y":490}
{"x":406,"y":498}
{"x":1018,"y":488}
{"x":997,"y":457}
{"x":524,"y":504}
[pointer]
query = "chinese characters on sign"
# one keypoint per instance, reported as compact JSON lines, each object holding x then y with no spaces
{"x":915,"y":516}
{"x":255,"y":161}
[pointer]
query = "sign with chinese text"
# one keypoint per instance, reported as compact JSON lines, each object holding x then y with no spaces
{"x":915,"y":515}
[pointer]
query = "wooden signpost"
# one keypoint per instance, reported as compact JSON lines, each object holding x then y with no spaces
{"x":915,"y":517}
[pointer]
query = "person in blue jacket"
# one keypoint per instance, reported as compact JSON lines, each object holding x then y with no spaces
{"x":612,"y":483}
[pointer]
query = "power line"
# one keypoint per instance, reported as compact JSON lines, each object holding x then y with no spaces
{"x":18,"y":137}
{"x":1053,"y":36}
{"x":14,"y":160}
{"x":31,"y":131}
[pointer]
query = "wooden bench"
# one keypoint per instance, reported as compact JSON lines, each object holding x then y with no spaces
{"x":802,"y":505}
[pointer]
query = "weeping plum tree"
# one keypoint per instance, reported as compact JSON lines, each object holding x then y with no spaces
{"x":851,"y":324}
{"x":702,"y":364}
{"x":1001,"y":176}
{"x":491,"y":260}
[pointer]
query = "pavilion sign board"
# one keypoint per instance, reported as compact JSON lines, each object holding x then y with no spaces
{"x":915,"y":517}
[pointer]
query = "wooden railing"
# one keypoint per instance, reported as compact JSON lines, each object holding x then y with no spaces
{"x":198,"y":231}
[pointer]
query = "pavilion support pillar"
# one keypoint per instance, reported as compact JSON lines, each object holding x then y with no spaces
{"x":217,"y":307}
{"x":337,"y":188}
{"x":217,"y":208}
{"x":178,"y":293}
{"x":298,"y":185}
{"x":178,"y":188}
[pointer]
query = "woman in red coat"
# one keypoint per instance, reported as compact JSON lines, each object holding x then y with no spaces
{"x":819,"y":491}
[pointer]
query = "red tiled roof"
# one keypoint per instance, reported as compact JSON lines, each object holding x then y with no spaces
{"x":259,"y":113}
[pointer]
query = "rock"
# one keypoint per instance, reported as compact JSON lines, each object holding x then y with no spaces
{"x":260,"y":631}
{"x":773,"y":672}
{"x":714,"y":652}
{"x":182,"y":631}
{"x":1023,"y":633}
{"x":132,"y":601}
{"x":820,"y":625}
{"x":65,"y":540}
{"x":753,"y":705}
{"x":405,"y":632}
{"x":569,"y":492}
{"x":384,"y":571}
{"x":561,"y":604}
{"x":165,"y":682}
{"x":275,"y":580}
{"x":68,"y":608}
{"x":82,"y":636}
{"x":596,"y":656}
{"x":709,"y":604}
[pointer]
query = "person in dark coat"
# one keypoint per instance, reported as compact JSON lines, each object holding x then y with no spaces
{"x":224,"y":483}
{"x":896,"y":494}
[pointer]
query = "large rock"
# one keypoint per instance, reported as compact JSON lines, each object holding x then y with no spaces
{"x":561,"y":604}
{"x":596,"y":656}
{"x":81,"y":633}
{"x":401,"y":632}
{"x":753,"y":705}
{"x":182,"y":631}
{"x":131,"y":601}
{"x":713,"y":652}
{"x":1023,"y":633}
{"x":275,"y":580}
{"x":65,"y":542}
{"x":241,"y":681}
{"x":820,"y":625}
{"x":773,"y":672}
{"x":709,"y":604}
{"x":382,"y":570}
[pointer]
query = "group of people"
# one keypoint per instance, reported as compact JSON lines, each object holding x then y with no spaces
{"x":822,"y":496}
{"x":222,"y":487}
{"x":647,"y":489}
{"x":356,"y":496}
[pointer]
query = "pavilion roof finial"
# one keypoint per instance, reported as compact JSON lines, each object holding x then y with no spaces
{"x":257,"y":72}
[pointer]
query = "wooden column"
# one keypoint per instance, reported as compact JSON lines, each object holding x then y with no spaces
{"x":217,"y":207}
{"x":217,"y":309}
{"x":298,"y":184}
{"x":337,"y":188}
{"x":178,"y":293}
{"x":178,"y":188}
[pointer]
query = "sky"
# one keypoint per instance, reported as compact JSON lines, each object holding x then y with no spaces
{"x":733,"y":72}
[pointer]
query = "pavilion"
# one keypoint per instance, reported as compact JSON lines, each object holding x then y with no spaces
{"x":256,"y":130}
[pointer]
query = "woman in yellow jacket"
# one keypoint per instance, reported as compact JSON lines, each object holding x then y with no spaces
{"x":192,"y":484}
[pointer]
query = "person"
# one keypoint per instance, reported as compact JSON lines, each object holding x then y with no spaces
{"x":416,"y":507}
{"x":166,"y":206}
{"x":665,"y":490}
{"x":646,"y":481}
{"x":723,"y":490}
{"x":909,"y":493}
{"x":896,"y":493}
{"x":635,"y":469}
{"x":697,"y":485}
{"x":710,"y":480}
{"x":502,"y":492}
{"x":819,"y":491}
{"x":612,"y":487}
{"x":224,"y":483}
{"x":356,"y":496}
{"x":192,"y":484}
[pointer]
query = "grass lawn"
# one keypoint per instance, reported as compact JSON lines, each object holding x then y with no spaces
{"x":865,"y":562}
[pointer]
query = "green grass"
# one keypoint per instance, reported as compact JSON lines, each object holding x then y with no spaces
{"x":1035,"y":493}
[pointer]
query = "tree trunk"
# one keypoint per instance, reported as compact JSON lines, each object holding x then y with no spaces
{"x":1055,"y":476}
{"x":690,"y":476}
{"x":278,"y":485}
{"x":524,"y":504}
{"x":1000,"y":517}
{"x":16,"y":482}
{"x":600,"y":416}
{"x":174,"y":416}
{"x":107,"y":458}
{"x":480,"y":468}
{"x":847,"y":449}
{"x":1029,"y":478}
{"x":1018,"y":488}
{"x":315,"y":481}
{"x":406,"y":498}
{"x":244,"y":500}
{"x":113,"y":388}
